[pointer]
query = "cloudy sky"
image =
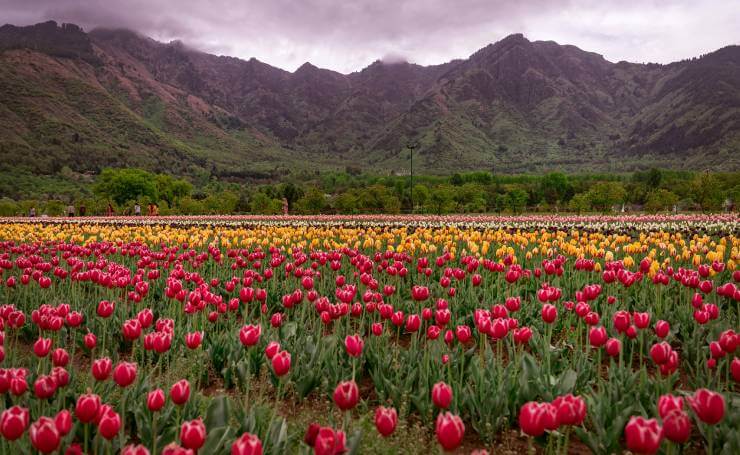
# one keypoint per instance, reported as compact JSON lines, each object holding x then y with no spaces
{"x":347,"y":35}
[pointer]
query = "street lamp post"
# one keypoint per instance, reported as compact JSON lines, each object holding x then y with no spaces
{"x":411,"y":145}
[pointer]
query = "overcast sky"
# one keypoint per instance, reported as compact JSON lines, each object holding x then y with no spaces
{"x":347,"y":35}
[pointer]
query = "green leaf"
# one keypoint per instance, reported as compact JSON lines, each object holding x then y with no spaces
{"x":218,"y":413}
{"x":218,"y":441}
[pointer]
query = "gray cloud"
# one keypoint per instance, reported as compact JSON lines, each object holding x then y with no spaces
{"x":346,"y":35}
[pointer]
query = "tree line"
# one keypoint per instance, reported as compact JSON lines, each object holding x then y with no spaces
{"x":348,"y":192}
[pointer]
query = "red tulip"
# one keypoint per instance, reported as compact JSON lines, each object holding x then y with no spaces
{"x":60,"y":357}
{"x":735,"y":369}
{"x":63,"y":422}
{"x":660,"y":352}
{"x":346,"y":395}
{"x":41,"y":347}
{"x":132,"y":449}
{"x":549,"y":313}
{"x":668,"y":403}
{"x":87,"y":407}
{"x":442,"y":395}
{"x":621,"y":320}
{"x":44,"y":435}
{"x":709,"y":406}
{"x":247,"y":444}
{"x":131,"y":329}
{"x":419,"y":293}
{"x":533,"y":417}
{"x":249,"y":335}
{"x":124,"y":374}
{"x":101,"y":368}
{"x":450,"y":431}
{"x":386,"y":420}
{"x":677,"y":426}
{"x":281,"y":363}
{"x":597,"y":336}
{"x":106,"y":308}
{"x":272,"y":348}
{"x":643,"y":435}
{"x":353,"y":344}
{"x":276,"y":320}
{"x":329,"y":442}
{"x":174,"y":449}
{"x":613,"y":347}
{"x":662,"y":328}
{"x":155,"y":400}
{"x":642,"y":320}
{"x":377,"y":329}
{"x":413,"y":323}
{"x":193,"y":340}
{"x":109,"y":424}
{"x":44,"y":387}
{"x":180,"y":392}
{"x":13,"y":422}
{"x":193,"y":434}
{"x":90,"y":340}
{"x":571,"y":410}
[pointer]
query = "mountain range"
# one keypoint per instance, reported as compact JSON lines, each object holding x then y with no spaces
{"x":112,"y":97}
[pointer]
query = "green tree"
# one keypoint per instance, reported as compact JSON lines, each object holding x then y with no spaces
{"x":264,"y":205}
{"x":421,"y":196}
{"x":291,"y":193}
{"x":579,"y":203}
{"x":660,"y":199}
{"x":706,"y":191}
{"x":124,"y":185}
{"x":603,"y":195}
{"x":442,"y":199}
{"x":516,"y":200}
{"x":347,"y":202}
{"x":170,"y":189}
{"x":556,"y":188}
{"x":313,"y":202}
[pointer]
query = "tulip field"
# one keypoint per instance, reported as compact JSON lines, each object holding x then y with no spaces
{"x":370,"y":334}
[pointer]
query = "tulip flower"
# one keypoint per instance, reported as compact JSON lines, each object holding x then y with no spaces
{"x":247,"y":444}
{"x":272,"y":348}
{"x":87,"y":407}
{"x":180,"y":392}
{"x":133,"y":449}
{"x":549,"y":313}
{"x":677,"y":426}
{"x":450,"y":430}
{"x":193,"y":434}
{"x":155,"y":400}
{"x":442,"y":395}
{"x":44,"y":435}
{"x":109,"y":424}
{"x":90,"y":340}
{"x":193,"y":340}
{"x":386,"y":420}
{"x":668,"y":403}
{"x":13,"y":422}
{"x":41,"y":347}
{"x":597,"y":336}
{"x":249,"y":335}
{"x":708,"y":406}
{"x":353,"y":344}
{"x":101,"y":368}
{"x":60,"y":357}
{"x":571,"y":410}
{"x":329,"y":442}
{"x":281,"y":363}
{"x":643,"y":435}
{"x":63,"y":422}
{"x":613,"y":347}
{"x":662,"y":328}
{"x":532,"y":418}
{"x":346,"y":395}
{"x":124,"y":374}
